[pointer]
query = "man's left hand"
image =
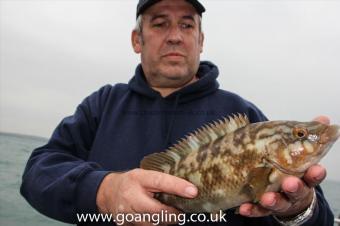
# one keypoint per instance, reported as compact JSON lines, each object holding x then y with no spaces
{"x":296,"y":196}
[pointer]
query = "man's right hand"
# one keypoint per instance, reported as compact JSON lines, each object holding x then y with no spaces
{"x":133,"y":192}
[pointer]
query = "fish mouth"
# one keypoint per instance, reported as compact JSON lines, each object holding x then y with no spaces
{"x":283,"y":169}
{"x":331,"y":134}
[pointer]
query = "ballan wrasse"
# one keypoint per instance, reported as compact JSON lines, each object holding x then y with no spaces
{"x":233,"y":161}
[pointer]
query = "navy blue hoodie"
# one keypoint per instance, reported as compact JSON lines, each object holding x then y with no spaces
{"x":114,"y":128}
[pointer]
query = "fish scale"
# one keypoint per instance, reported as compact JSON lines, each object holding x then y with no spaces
{"x":232,"y":161}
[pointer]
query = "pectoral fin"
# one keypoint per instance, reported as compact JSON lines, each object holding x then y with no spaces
{"x":257,"y":182}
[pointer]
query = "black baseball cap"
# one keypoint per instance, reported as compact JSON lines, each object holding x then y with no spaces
{"x":144,"y":4}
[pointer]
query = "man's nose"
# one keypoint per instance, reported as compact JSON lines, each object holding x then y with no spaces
{"x":174,"y":36}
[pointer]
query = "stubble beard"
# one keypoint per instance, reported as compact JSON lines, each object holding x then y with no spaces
{"x":165,"y":79}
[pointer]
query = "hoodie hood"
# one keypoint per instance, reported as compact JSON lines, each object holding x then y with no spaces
{"x":207,"y":74}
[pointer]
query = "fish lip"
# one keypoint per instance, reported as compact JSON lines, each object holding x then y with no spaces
{"x":330,"y":134}
{"x":337,"y":127}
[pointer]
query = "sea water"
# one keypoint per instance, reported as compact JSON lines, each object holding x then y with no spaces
{"x":14,"y":210}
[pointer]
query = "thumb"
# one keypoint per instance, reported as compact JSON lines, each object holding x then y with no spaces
{"x":322,"y":119}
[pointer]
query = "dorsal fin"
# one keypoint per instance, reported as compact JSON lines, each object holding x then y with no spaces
{"x":205,"y":135}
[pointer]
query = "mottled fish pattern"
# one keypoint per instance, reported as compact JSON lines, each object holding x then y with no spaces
{"x":232,"y":161}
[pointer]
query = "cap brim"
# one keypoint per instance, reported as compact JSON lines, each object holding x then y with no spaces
{"x":196,"y":4}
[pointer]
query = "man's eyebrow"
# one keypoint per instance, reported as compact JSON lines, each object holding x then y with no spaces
{"x":154,"y":17}
{"x":164,"y":16}
{"x":189,"y":17}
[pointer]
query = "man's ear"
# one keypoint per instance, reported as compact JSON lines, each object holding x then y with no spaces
{"x":201,"y":41}
{"x":136,"y":41}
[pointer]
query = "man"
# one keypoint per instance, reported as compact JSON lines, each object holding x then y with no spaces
{"x":90,"y":164}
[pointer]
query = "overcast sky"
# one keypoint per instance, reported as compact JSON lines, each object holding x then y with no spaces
{"x":282,"y":55}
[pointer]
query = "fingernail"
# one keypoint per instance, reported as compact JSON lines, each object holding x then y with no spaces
{"x":191,"y":191}
{"x":319,"y":177}
{"x":292,"y":188}
{"x":272,"y":203}
{"x":247,"y":212}
{"x":270,"y":200}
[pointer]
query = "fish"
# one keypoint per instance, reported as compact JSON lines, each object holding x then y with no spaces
{"x":232,"y":161}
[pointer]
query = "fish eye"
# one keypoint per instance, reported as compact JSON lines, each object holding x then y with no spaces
{"x":300,"y":132}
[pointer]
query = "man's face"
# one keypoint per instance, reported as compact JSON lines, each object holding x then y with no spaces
{"x":170,"y":43}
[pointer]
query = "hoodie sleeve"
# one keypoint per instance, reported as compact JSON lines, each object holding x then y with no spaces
{"x":58,"y":181}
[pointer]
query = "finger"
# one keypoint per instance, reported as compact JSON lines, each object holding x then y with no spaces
{"x":294,"y":188}
{"x":315,"y":175}
{"x":162,"y":182}
{"x":322,"y":119}
{"x":252,"y":210}
{"x":146,"y":204}
{"x":275,"y":202}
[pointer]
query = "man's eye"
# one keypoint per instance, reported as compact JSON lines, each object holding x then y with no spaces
{"x":186,"y":26}
{"x":159,"y":24}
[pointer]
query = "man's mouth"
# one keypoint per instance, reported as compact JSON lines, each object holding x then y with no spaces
{"x":173,"y":54}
